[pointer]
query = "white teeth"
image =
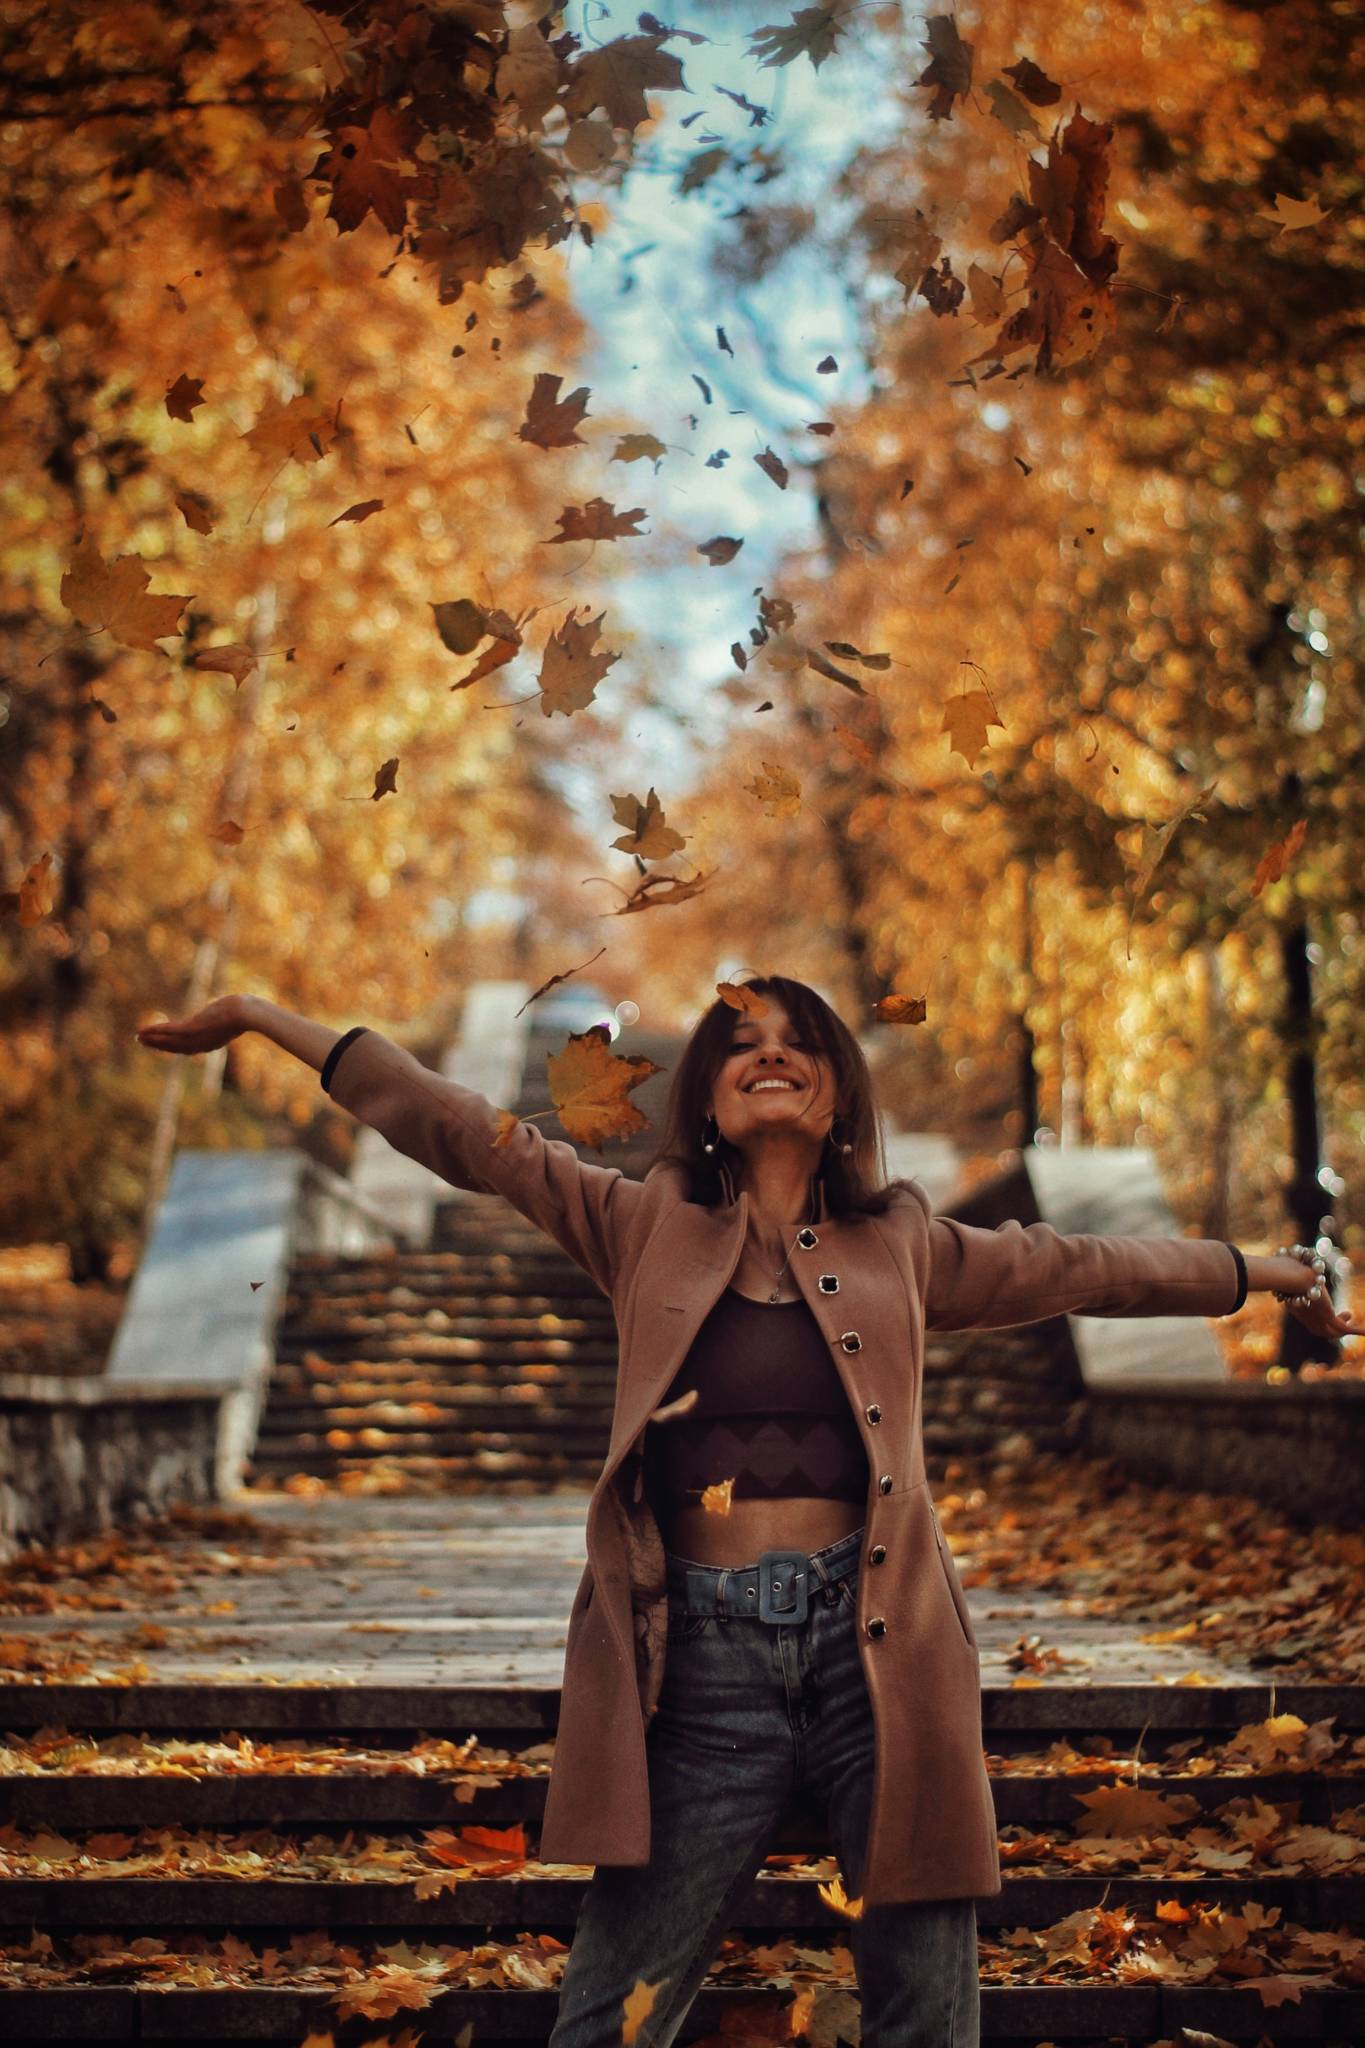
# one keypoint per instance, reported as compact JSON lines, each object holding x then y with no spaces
{"x":754,"y":1086}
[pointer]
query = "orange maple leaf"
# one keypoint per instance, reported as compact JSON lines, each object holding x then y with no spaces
{"x":589,"y":1087}
{"x":550,"y":420}
{"x":572,"y":667}
{"x":647,"y":834}
{"x":741,"y":998}
{"x":597,"y":520}
{"x":114,"y":596}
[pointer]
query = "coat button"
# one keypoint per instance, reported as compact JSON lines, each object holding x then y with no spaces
{"x":886,"y":1482}
{"x":828,"y":1283}
{"x":874,"y":1413}
{"x":877,"y":1554}
{"x":876,"y":1627}
{"x":851,"y":1341}
{"x":807,"y":1239}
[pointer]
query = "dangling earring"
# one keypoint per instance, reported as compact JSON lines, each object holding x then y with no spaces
{"x":844,"y":1146}
{"x":710,"y":1134}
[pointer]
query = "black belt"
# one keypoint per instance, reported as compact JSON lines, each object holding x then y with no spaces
{"x":777,"y":1588}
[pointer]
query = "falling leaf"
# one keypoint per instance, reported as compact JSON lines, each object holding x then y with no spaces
{"x":848,"y":652}
{"x":826,"y":366}
{"x":717,"y":1497}
{"x":114,"y":596}
{"x":357,"y":514}
{"x":778,"y":791}
{"x":297,"y":431}
{"x":550,"y":420}
{"x":838,"y":1900}
{"x":572,"y":666}
{"x":528,"y":73}
{"x":701,"y":167}
{"x":1276,"y":858}
{"x":647,"y":835}
{"x":195,"y":511}
{"x":504,"y":1124}
{"x":812,"y":32}
{"x":950,"y":73}
{"x":1011,"y":112}
{"x":637,"y":2007}
{"x":638,"y":447}
{"x":720,"y":550}
{"x":618,"y":75}
{"x":1035,"y":85}
{"x":1289,"y":214}
{"x":822,"y":667}
{"x":553,"y":982}
{"x":589,"y":1086}
{"x":900,"y":1009}
{"x":966,"y":721}
{"x":1156,"y":839}
{"x":657,"y":891}
{"x":385,"y":780}
{"x":461,"y":624}
{"x":741,"y":998}
{"x":597,"y":520}
{"x":231,"y":660}
{"x":773,"y":466}
{"x":183,"y":396}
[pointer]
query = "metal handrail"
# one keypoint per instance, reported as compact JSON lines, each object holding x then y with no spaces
{"x":340,"y":1190}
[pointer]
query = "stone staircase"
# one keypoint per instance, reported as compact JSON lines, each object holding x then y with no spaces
{"x":306,"y":1825}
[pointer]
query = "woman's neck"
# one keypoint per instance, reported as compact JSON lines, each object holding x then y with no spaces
{"x":781,"y":1190}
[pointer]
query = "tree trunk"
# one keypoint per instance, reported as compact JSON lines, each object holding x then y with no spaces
{"x":1023,"y":1034}
{"x":1308,"y":1201}
{"x":1218,"y":1203}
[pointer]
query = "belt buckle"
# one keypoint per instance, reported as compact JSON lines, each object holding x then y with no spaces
{"x":798,"y":1606}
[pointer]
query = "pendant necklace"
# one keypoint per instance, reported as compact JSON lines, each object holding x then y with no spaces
{"x":776,"y":1295}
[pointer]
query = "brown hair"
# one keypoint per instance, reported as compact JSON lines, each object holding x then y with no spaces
{"x":855,"y":1182}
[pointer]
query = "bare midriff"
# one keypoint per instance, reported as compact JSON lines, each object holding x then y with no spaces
{"x":753,"y":1526}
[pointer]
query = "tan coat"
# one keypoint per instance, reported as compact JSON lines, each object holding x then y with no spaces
{"x":663,"y":1261}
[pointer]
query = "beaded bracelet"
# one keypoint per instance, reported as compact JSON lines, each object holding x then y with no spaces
{"x":1308,"y":1257}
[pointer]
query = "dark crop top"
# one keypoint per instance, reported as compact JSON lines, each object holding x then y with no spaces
{"x":771,"y":1413}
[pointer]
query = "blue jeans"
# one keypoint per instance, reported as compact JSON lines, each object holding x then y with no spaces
{"x":752,"y":1712}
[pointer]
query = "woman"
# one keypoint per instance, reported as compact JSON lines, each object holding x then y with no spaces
{"x":771,"y":1298}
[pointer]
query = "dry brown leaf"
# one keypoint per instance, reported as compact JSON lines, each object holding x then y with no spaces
{"x":646,"y":835}
{"x":550,"y":420}
{"x":590,"y":1087}
{"x":572,"y":666}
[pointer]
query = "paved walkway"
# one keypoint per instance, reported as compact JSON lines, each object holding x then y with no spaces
{"x":376,"y":1590}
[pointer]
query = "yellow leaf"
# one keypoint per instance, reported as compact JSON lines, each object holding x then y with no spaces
{"x":777,"y":791}
{"x":637,"y":2008}
{"x":647,"y":835}
{"x":589,"y":1086}
{"x":740,"y":998}
{"x":966,"y":721}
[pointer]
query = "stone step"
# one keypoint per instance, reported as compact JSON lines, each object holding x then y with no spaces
{"x":496,"y":1305}
{"x":546,"y":1470}
{"x":407,"y":1798}
{"x":580,"y":1437}
{"x":545,"y":1895}
{"x":432,"y":1348}
{"x":361,"y":1403}
{"x":1012,"y":2016}
{"x":388,"y":1377}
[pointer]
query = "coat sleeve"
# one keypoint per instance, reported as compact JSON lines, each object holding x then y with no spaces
{"x":586,"y":1209}
{"x":1024,"y":1273}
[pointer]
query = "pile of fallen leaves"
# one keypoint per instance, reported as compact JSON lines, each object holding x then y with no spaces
{"x":1216,"y":1571}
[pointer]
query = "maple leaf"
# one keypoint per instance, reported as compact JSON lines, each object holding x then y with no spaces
{"x":1132,"y":1810}
{"x":778,"y":791}
{"x":617,"y":77}
{"x":388,"y":1989}
{"x":717,"y":1497}
{"x":950,"y":73}
{"x":589,"y":1086}
{"x":553,"y":982}
{"x":838,"y":1900}
{"x":848,"y":652}
{"x":773,"y":466}
{"x":550,"y":420}
{"x":822,"y":667}
{"x":362,"y":167}
{"x":812,"y":32}
{"x":966,"y":720}
{"x":1289,"y":214}
{"x":113,"y":596}
{"x":640,"y":447}
{"x":528,"y":72}
{"x":183,"y":396}
{"x":647,"y":834}
{"x":655,"y":891}
{"x":597,"y":520}
{"x":1065,"y":315}
{"x":723,"y":548}
{"x":571,"y":667}
{"x":296,"y":430}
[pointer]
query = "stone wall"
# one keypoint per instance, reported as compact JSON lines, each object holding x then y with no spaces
{"x":1299,"y":1447}
{"x":992,"y":1393}
{"x":78,"y":1456}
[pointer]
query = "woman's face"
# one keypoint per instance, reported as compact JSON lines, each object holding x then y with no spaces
{"x":763,"y":1051}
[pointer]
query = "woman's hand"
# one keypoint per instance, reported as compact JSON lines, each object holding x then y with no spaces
{"x":1319,"y":1316}
{"x":216,"y":1024}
